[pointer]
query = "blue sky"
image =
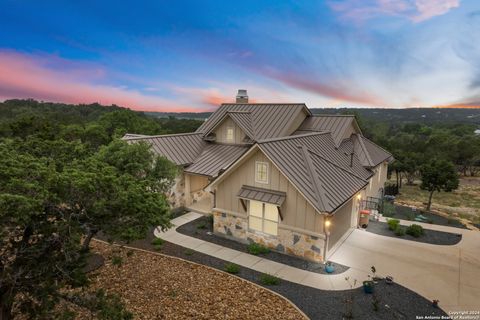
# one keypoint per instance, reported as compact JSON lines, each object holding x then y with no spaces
{"x":193,"y":55}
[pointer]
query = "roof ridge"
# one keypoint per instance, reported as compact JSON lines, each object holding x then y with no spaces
{"x":322,"y":201}
{"x":362,"y":145}
{"x":163,"y":135}
{"x":332,"y":115}
{"x":363,"y":137}
{"x":336,"y":165}
{"x":292,"y":137}
{"x":266,"y":103}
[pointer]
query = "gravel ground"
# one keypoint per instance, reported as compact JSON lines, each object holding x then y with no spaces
{"x":192,"y":229}
{"x":430,"y":236}
{"x":396,"y":302}
{"x":160,"y":287}
{"x":406,"y":213}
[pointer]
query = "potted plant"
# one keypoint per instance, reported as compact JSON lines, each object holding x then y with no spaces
{"x":368,"y":285}
{"x":435,"y":303}
{"x":388,"y":279}
{"x":329,"y":267}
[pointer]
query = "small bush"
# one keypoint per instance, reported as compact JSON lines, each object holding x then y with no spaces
{"x":158,"y":243}
{"x":388,"y":209}
{"x":232,"y":268}
{"x":393,"y":224}
{"x":415,"y":230}
{"x":256,"y":249}
{"x":117,"y":260}
{"x":202,"y":225}
{"x":188,"y":252}
{"x":269,"y":280}
{"x":400,"y":231}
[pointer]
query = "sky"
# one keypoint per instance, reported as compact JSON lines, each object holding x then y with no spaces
{"x":190,"y":56}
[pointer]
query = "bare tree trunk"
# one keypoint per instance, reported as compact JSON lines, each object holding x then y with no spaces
{"x":396,"y":175}
{"x":5,"y":307}
{"x":430,"y":200}
{"x":88,"y":238}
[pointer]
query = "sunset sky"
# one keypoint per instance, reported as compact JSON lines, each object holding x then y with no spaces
{"x":194,"y":55}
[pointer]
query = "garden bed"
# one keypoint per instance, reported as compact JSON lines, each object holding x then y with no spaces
{"x":429,"y":236}
{"x":396,"y":302}
{"x":406,"y":213}
{"x":201,"y":228}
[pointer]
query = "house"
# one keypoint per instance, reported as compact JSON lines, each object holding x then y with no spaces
{"x":276,"y":174}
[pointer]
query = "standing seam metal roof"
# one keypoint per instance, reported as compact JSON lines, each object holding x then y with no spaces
{"x":267,"y":120}
{"x":264,"y":195}
{"x":336,"y":124}
{"x":311,"y":163}
{"x":214,"y":158}
{"x":182,"y":149}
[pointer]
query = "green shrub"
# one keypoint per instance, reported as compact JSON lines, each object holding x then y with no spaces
{"x":188,"y":252}
{"x":269,"y":280}
{"x":117,"y":260}
{"x":388,"y":209}
{"x":415,"y":230}
{"x":158,"y":243}
{"x":393,"y":224}
{"x":232,"y":268}
{"x":202,"y":225}
{"x":256,"y":249}
{"x":400,"y":231}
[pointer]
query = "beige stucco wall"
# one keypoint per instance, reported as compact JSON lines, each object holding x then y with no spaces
{"x":378,"y":180}
{"x":221,"y":132}
{"x":296,"y":211}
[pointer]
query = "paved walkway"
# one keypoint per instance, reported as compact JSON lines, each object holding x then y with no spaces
{"x":450,"y":274}
{"x":307,"y":278}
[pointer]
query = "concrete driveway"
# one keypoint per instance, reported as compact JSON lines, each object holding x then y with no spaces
{"x":450,"y":274}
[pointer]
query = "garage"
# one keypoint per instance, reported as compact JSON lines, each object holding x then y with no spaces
{"x":340,"y":223}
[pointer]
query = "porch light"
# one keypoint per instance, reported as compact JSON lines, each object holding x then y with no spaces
{"x":359,"y":196}
{"x":327,"y":223}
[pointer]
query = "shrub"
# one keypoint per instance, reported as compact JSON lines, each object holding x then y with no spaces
{"x":232,"y":268}
{"x":117,"y":260}
{"x":269,"y":280}
{"x":393,"y":224}
{"x":210,"y":220}
{"x":400,"y":231}
{"x":256,"y":249}
{"x":202,"y":225}
{"x":188,"y":252}
{"x":388,"y":209}
{"x":158,"y":243}
{"x":415,"y":230}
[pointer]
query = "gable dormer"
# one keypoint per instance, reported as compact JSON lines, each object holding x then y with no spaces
{"x":234,"y":128}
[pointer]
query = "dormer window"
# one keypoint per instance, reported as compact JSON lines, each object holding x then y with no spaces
{"x":261,"y":172}
{"x":230,"y":134}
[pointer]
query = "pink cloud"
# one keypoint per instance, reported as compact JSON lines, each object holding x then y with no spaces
{"x":414,"y":10}
{"x":53,"y":79}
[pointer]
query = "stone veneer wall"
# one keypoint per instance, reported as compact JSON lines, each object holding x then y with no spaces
{"x":176,"y":195}
{"x":287,"y":241}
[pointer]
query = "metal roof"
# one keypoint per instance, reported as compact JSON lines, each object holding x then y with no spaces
{"x":318,"y":170}
{"x":182,"y":149}
{"x":368,"y":153}
{"x":214,"y":158}
{"x":258,"y":194}
{"x":244,"y":121}
{"x":336,"y":124}
{"x":267,"y":120}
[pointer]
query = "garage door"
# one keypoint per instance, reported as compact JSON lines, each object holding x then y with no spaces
{"x":341,"y":222}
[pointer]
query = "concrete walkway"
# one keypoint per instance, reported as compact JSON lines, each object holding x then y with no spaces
{"x":450,"y":274}
{"x":307,"y":278}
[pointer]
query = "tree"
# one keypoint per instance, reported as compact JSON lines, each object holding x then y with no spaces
{"x":119,"y":192}
{"x":438,"y":175}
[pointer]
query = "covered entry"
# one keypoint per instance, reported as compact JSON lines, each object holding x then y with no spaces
{"x":197,"y":199}
{"x":341,"y":222}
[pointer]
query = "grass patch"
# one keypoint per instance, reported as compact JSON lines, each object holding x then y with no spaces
{"x":256,"y":249}
{"x":117,"y":260}
{"x":400,"y":231}
{"x":232,"y":268}
{"x":269,"y":280}
{"x":158,"y":244}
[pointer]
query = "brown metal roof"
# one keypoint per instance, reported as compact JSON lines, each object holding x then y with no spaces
{"x":214,"y":158}
{"x":264,"y":195}
{"x":336,"y":124}
{"x":377,"y":153}
{"x":182,"y":149}
{"x":368,"y":153}
{"x":244,"y":121}
{"x":318,"y":170}
{"x":267,"y":120}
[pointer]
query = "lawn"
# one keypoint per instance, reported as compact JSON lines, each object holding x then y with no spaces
{"x":463,"y":202}
{"x":160,"y":287}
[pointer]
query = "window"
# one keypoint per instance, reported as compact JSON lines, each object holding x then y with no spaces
{"x":263,"y":217}
{"x":261,"y":172}
{"x":230,"y":134}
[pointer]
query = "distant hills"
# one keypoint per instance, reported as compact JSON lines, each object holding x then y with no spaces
{"x":422,"y":115}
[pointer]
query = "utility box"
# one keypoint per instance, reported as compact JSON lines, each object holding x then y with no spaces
{"x":364,"y":217}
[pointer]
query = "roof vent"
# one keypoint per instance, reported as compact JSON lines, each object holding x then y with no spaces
{"x":242,"y":96}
